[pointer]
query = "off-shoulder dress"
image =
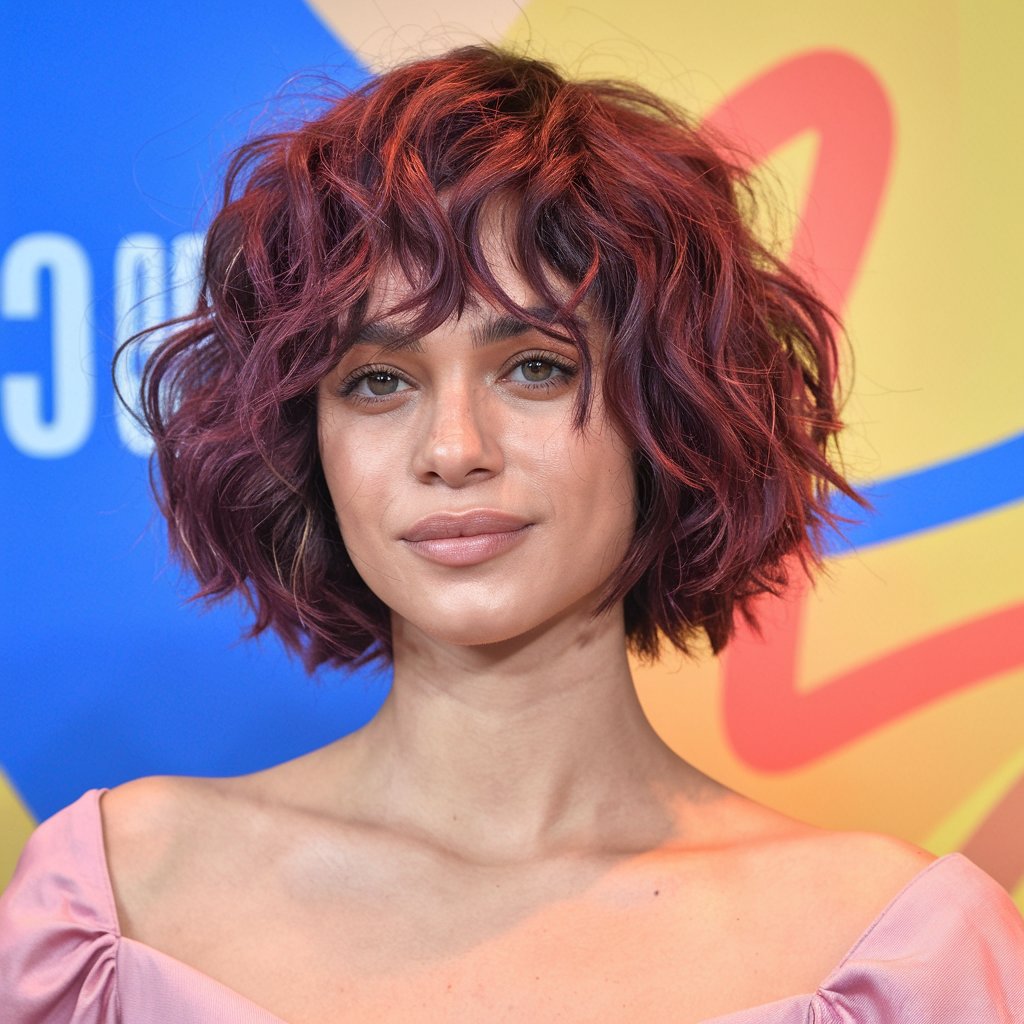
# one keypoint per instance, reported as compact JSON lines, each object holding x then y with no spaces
{"x":949,"y":948}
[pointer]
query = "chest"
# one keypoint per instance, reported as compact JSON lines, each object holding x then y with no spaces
{"x":566,"y":943}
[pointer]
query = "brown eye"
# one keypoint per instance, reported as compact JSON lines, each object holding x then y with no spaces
{"x":542,"y":372}
{"x":536,"y":370}
{"x":370,"y":383}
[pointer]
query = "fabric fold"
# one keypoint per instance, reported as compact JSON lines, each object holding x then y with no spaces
{"x":58,"y":929}
{"x":948,"y":947}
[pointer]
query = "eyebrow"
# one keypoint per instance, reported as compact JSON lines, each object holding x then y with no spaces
{"x":492,"y":330}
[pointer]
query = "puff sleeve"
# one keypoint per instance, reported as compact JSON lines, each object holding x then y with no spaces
{"x":58,"y":928}
{"x":949,"y":948}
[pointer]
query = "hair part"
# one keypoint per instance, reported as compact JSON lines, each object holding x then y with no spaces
{"x":719,"y":367}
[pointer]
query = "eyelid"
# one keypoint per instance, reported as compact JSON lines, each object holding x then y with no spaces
{"x":349,"y":383}
{"x":563,"y":363}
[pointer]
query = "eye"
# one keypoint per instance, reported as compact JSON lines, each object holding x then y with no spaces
{"x":536,"y":370}
{"x":381,"y":384}
{"x":373,"y":382}
{"x":541,"y":369}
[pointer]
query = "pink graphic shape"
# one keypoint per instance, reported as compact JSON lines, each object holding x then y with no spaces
{"x":838,"y":98}
{"x":841,"y":100}
{"x":760,"y":683}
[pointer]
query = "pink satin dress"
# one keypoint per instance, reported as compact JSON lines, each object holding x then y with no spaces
{"x":949,"y":948}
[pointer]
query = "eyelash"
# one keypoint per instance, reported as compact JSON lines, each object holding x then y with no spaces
{"x":567,"y":368}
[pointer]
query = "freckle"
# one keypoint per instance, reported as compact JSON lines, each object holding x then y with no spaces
{"x":656,"y":891}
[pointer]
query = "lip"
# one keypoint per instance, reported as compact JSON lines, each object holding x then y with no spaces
{"x":472,"y":523}
{"x":466,"y":538}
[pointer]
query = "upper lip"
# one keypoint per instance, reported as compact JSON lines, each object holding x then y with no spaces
{"x":464,"y":524}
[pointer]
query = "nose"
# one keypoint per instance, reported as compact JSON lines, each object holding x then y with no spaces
{"x":459,"y":442}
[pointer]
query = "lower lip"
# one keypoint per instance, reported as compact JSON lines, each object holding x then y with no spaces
{"x":468,"y":550}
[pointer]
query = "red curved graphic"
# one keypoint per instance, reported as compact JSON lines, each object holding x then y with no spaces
{"x":838,"y":98}
{"x":759,"y":683}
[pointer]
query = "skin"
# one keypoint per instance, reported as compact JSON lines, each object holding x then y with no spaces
{"x":509,"y":839}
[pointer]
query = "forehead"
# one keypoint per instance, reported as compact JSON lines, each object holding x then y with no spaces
{"x":387,"y":324}
{"x":391,"y":287}
{"x":484,"y":328}
{"x":399,"y":308}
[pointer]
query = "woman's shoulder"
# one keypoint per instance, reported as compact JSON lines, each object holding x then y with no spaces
{"x":165,"y":835}
{"x":160,"y":817}
{"x":813,"y":890}
{"x":68,"y":856}
{"x":63,"y":922}
{"x":808,"y":867}
{"x":65,"y":854}
{"x":149,"y":823}
{"x":847,"y":871}
{"x":948,"y":946}
{"x":58,"y":924}
{"x":888,"y":931}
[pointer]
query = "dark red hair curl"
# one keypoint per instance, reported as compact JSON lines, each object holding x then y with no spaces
{"x":719,"y":365}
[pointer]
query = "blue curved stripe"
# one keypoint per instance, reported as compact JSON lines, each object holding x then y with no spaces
{"x":936,"y":496}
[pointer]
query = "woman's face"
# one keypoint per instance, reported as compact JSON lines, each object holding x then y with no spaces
{"x":466,"y":500}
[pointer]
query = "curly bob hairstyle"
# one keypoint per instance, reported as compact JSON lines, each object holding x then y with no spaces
{"x":718,"y":369}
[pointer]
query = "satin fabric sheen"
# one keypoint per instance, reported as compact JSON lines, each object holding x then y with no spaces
{"x":948,"y":948}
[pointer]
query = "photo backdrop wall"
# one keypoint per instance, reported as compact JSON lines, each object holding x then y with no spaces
{"x":887,"y":698}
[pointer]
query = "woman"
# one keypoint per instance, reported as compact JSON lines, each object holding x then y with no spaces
{"x":490,"y":381}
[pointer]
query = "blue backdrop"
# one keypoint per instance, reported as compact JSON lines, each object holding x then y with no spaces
{"x":116,"y":128}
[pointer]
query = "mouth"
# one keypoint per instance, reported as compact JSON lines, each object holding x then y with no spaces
{"x":466,"y":538}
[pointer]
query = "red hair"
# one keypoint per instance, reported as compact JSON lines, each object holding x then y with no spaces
{"x":718,"y":369}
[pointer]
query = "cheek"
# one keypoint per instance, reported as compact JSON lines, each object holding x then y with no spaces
{"x":594,"y":484}
{"x":610,"y":469}
{"x":617,"y":504}
{"x":354,"y":484}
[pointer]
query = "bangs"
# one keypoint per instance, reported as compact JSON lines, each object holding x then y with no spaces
{"x":410,"y":296}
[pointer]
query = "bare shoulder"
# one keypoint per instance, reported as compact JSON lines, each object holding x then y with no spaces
{"x":861,"y":867}
{"x":171,"y":838}
{"x":866,"y":871}
{"x":801,"y":870}
{"x":863,"y":860}
{"x":153,"y":830}
{"x":154,"y":824}
{"x":872,"y":858}
{"x":147,"y":816}
{"x":140,"y":817}
{"x":850,"y":880}
{"x":816,"y":890}
{"x":834,"y":884}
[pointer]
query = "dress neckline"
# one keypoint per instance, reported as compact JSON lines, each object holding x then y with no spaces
{"x":748,"y":1015}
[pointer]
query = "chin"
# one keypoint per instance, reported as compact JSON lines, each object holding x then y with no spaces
{"x":474,"y":630}
{"x":463,"y":624}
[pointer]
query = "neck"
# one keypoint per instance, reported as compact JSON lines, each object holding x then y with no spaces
{"x":521,"y":749}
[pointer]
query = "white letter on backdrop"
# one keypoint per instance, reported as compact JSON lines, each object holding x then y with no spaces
{"x":73,"y":370}
{"x":141,"y":300}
